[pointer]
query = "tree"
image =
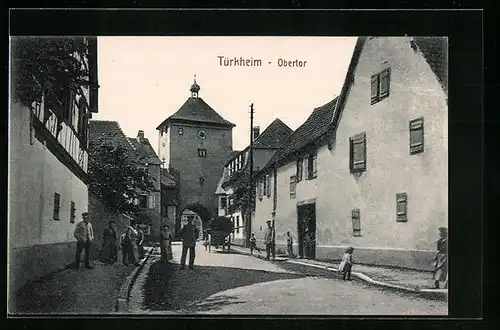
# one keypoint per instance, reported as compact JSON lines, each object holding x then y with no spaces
{"x":115,"y":180}
{"x":50,"y":65}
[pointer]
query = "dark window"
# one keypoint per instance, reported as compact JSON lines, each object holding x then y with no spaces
{"x":402,"y":207}
{"x":72,"y":212}
{"x":312,"y":166}
{"x":293,"y":186}
{"x":357,"y":153}
{"x":143,"y":201}
{"x":356,"y":222}
{"x":300,"y":164}
{"x":237,"y":223}
{"x":202,"y":152}
{"x":380,"y":86}
{"x":417,"y":136}
{"x":57,"y":206}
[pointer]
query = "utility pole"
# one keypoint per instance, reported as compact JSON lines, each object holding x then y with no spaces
{"x":248,"y":223}
{"x":275,"y":199}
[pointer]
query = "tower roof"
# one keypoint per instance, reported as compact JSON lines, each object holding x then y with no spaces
{"x":195,"y":110}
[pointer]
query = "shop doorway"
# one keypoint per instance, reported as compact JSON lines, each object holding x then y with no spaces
{"x":306,"y":228}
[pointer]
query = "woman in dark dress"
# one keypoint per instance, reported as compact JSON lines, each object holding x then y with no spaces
{"x":109,"y":252}
{"x":441,"y":259}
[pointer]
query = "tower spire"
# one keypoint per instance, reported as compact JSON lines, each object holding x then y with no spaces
{"x":195,"y":88}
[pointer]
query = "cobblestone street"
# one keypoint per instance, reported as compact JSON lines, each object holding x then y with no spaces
{"x":229,"y":283}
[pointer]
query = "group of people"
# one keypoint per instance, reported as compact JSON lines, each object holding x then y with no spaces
{"x":130,"y":241}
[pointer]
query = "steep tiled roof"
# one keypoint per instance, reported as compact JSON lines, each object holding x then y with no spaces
{"x":145,"y":152}
{"x":167,"y":179}
{"x":435,"y":51}
{"x":309,"y":132}
{"x":273,"y":135}
{"x":108,"y":133}
{"x":198,"y":111}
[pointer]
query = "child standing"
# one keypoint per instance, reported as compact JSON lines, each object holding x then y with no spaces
{"x":253,"y":244}
{"x":346,"y":264}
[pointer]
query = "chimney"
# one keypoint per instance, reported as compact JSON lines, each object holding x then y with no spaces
{"x":140,"y":136}
{"x":256,"y":132}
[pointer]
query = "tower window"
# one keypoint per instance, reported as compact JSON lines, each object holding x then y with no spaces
{"x":202,"y":152}
{"x":180,"y":131}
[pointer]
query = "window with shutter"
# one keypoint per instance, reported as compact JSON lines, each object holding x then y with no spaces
{"x":299,"y":169}
{"x":380,"y":85}
{"x":314,"y":165}
{"x":293,"y":186}
{"x":311,"y":166}
{"x":402,"y":207}
{"x":374,"y":89}
{"x":384,"y":83}
{"x":357,"y":153}
{"x":356,"y":222}
{"x":417,"y":136}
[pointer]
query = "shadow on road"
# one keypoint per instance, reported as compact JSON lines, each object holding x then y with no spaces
{"x":169,"y":288}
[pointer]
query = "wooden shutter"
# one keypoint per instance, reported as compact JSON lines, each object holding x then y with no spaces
{"x":417,"y":135}
{"x":358,"y":152}
{"x":402,"y":207}
{"x":374,"y":89}
{"x":299,"y":169}
{"x":356,"y":222}
{"x":385,"y":77}
{"x":293,"y":186}
{"x":314,"y":165}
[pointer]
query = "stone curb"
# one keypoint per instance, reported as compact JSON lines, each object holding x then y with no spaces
{"x":426,"y":293}
{"x":123,"y":295}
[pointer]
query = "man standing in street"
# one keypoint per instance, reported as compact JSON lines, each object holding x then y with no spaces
{"x":84,"y":235}
{"x":189,"y":234}
{"x":268,"y":239}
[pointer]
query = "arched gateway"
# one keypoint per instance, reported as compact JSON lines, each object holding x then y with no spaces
{"x":200,"y":215}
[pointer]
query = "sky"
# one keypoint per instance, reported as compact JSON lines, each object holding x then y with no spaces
{"x":144,"y":80}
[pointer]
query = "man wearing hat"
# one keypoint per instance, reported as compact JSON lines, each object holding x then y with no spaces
{"x":268,"y":239}
{"x":84,"y":235}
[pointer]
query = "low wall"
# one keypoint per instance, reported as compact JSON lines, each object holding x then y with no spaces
{"x":27,"y":264}
{"x":411,"y":259}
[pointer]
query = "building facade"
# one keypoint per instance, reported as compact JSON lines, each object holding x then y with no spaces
{"x":47,"y":184}
{"x":236,"y":174}
{"x":195,"y":142}
{"x":381,"y":173}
